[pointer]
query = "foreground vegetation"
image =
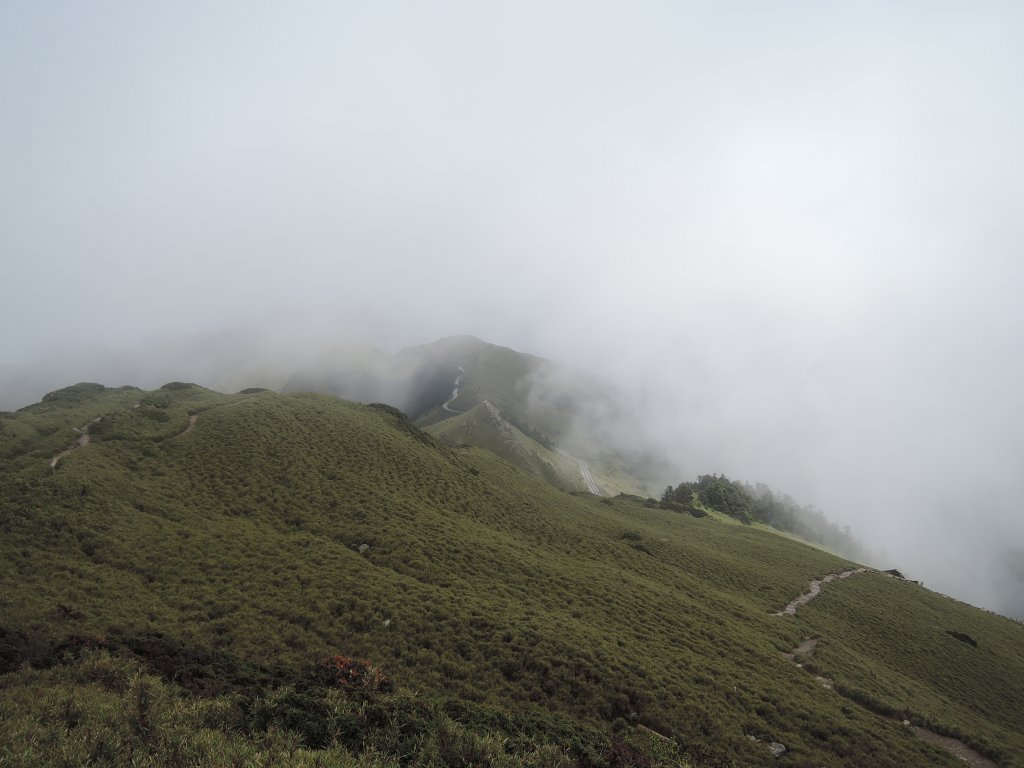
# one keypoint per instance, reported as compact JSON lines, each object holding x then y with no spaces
{"x":203,"y":554}
{"x":103,"y":709}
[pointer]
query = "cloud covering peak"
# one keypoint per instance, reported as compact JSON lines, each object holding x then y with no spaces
{"x":797,"y":230}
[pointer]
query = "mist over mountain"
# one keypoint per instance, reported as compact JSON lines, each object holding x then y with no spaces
{"x":789,"y":238}
{"x":512,"y":367}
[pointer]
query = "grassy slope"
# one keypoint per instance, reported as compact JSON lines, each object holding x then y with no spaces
{"x":889,"y":643}
{"x":483,"y":428}
{"x":242,"y":535}
{"x":515,"y":383}
{"x":498,"y":374}
{"x":478,"y":427}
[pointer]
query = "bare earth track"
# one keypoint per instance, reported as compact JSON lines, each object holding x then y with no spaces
{"x":85,"y":438}
{"x":81,"y":442}
{"x":806,"y":649}
{"x":815,"y":590}
{"x":958,"y":748}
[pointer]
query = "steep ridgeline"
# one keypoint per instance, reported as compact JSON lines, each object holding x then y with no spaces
{"x":284,"y":579}
{"x":420,"y":380}
{"x":548,"y":405}
{"x":483,"y":426}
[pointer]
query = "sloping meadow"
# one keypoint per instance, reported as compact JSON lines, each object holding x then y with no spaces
{"x":247,"y":537}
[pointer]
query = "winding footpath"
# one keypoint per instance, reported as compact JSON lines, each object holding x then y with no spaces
{"x":193,"y":418}
{"x":455,"y":392}
{"x":85,"y":438}
{"x":81,"y":442}
{"x":805,"y":651}
{"x":815,"y":590}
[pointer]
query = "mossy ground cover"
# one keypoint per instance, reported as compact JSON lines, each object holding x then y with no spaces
{"x":478,"y":584}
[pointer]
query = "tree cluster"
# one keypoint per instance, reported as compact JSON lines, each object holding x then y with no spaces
{"x":748,"y":503}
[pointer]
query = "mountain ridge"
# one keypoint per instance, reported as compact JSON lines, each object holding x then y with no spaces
{"x":282,"y":528}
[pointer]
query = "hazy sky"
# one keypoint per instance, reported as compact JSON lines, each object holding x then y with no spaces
{"x":796,"y":227}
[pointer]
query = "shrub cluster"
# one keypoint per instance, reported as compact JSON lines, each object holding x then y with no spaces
{"x":351,"y":674}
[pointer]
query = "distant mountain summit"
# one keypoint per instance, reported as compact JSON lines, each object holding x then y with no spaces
{"x":535,"y":413}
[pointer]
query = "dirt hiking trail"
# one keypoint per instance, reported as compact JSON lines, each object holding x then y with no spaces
{"x":815,"y":590}
{"x":191,"y":424}
{"x":81,"y":442}
{"x":805,"y":651}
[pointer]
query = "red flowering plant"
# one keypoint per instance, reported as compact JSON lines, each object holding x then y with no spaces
{"x":351,"y":674}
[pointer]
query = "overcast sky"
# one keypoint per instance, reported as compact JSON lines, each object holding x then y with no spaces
{"x":796,"y":227}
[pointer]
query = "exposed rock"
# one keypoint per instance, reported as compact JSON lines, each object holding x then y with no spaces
{"x":363,"y":548}
{"x":963,"y":637}
{"x":774,"y":747}
{"x":651,"y":732}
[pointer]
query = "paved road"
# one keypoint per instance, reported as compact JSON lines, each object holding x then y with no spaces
{"x":588,"y":479}
{"x":455,"y":392}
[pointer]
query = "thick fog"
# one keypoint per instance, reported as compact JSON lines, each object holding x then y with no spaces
{"x":793,"y":232}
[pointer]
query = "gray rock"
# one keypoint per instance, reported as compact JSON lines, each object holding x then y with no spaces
{"x":363,"y":548}
{"x":776,"y":749}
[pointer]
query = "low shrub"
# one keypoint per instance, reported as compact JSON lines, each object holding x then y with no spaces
{"x":351,"y":674}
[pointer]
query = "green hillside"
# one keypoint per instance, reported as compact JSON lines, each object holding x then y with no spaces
{"x":483,"y":426}
{"x":180,"y":577}
{"x":551,"y":405}
{"x":494,"y":373}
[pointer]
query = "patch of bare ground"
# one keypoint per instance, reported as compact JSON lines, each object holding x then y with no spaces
{"x":957,"y":747}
